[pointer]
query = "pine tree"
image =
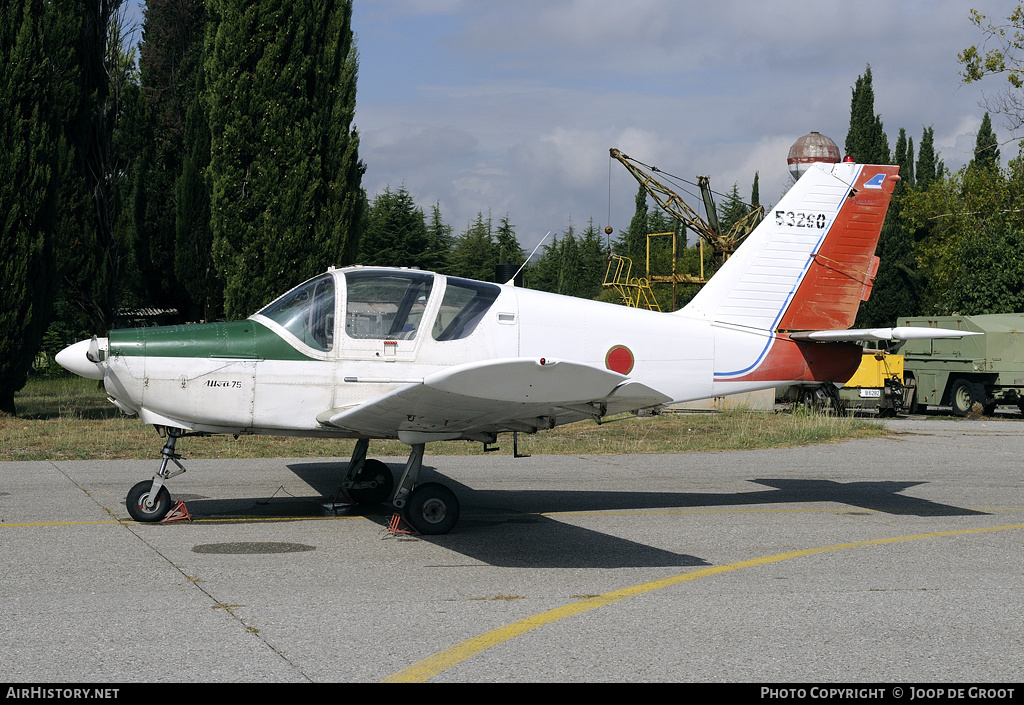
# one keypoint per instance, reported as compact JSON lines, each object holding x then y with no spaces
{"x":543,"y":272}
{"x":570,"y":280}
{"x":475,"y":255}
{"x":635,"y":239}
{"x":593,"y":262}
{"x":286,"y":198}
{"x":396,"y":234}
{"x":437,"y":258}
{"x":866,"y":141}
{"x":509,"y":250}
{"x":731,"y":210}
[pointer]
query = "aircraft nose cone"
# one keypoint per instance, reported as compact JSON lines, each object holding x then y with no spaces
{"x":75,"y":358}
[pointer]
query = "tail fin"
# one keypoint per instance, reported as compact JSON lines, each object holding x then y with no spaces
{"x":811,"y":262}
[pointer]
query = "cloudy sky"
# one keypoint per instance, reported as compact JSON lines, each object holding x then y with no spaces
{"x":510,"y":108}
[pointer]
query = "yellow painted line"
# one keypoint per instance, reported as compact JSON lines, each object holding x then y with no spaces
{"x":4,"y":525}
{"x":429,"y":667}
{"x":211,"y":520}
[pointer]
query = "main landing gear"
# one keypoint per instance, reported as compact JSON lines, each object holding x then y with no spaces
{"x":430,"y":508}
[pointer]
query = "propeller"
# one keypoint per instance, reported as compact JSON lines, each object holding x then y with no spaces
{"x":93,"y":353}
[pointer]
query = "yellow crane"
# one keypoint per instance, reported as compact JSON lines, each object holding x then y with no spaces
{"x":722,"y":244}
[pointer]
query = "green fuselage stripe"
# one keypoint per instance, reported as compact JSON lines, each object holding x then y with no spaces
{"x":245,"y":340}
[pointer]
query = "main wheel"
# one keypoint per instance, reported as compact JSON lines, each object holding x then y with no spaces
{"x":137,"y":497}
{"x":432,"y":509}
{"x":373,"y":471}
{"x":809,"y":400}
{"x":963,"y":394}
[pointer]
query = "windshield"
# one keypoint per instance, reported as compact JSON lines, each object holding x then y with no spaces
{"x":307,"y":312}
{"x":386,"y":305}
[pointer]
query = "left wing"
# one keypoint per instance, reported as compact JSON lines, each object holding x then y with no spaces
{"x":479,"y":398}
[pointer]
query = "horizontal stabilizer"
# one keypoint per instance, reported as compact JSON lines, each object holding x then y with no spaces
{"x":863,"y":334}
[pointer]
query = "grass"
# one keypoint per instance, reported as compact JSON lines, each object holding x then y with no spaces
{"x":69,"y":418}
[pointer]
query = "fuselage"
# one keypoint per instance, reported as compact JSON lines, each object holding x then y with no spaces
{"x":276,"y":371}
{"x":272,"y":374}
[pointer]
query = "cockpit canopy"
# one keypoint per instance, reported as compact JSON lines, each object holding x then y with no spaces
{"x":382,"y":305}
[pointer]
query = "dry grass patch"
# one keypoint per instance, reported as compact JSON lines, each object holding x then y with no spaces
{"x":70,"y":419}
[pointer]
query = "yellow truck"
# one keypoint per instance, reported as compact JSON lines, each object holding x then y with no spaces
{"x":877,"y":384}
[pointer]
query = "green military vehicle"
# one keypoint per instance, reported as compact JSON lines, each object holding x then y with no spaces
{"x":984,"y":369}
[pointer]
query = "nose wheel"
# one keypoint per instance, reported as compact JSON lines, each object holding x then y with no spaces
{"x":142,"y":506}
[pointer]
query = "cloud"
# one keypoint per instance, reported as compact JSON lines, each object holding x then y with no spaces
{"x":511,"y":107}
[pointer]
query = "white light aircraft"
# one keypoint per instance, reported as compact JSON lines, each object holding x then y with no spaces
{"x":424,"y":357}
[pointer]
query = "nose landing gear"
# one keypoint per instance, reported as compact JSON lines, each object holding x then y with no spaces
{"x":149,"y":500}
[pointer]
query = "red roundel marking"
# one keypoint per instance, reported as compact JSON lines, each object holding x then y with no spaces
{"x":619,"y":359}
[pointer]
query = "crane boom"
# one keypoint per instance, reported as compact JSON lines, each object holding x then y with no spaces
{"x":722,"y":244}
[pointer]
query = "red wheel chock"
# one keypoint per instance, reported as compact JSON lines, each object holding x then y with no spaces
{"x":398,"y":526}
{"x":178,"y":511}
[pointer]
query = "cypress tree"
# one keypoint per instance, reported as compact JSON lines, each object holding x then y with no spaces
{"x":286,"y":196}
{"x":170,"y":63}
{"x":39,"y":93}
{"x":896,"y":289}
{"x":986,"y":146}
{"x":928,"y":168}
{"x":900,"y":157}
{"x":193,"y":240}
{"x":94,"y":267}
{"x":866,"y":141}
{"x":904,"y":158}
{"x":755,"y":191}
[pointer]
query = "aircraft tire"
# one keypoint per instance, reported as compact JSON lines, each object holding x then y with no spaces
{"x":432,"y":509}
{"x":138,"y":494}
{"x":373,"y":470}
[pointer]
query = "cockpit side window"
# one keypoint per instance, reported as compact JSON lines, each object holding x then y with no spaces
{"x":307,"y":312}
{"x":464,"y":304}
{"x":386,"y":306}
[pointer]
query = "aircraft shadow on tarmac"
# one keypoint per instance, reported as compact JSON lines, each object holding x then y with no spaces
{"x":508,"y":527}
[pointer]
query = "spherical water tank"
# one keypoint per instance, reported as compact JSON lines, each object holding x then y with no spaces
{"x":809,"y":149}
